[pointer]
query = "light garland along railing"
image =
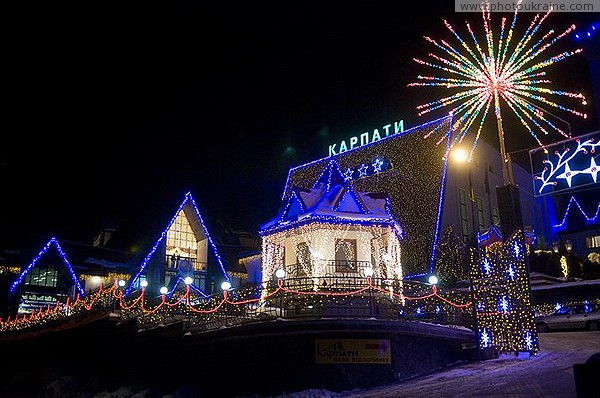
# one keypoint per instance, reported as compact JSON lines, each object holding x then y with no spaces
{"x":367,"y":297}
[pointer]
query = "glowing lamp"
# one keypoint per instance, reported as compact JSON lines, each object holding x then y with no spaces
{"x":164,"y":290}
{"x":368,"y":272}
{"x":459,"y":155}
{"x":225,"y":285}
{"x":144,"y":283}
{"x":280,"y":273}
{"x":188,"y":280}
{"x":121,"y":283}
{"x":96,"y":279}
{"x":433,"y":280}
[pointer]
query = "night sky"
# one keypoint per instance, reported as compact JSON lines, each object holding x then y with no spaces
{"x":115,"y":110}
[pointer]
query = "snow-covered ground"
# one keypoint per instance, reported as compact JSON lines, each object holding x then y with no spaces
{"x":549,"y":374}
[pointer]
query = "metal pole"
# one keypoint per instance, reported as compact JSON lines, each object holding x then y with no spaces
{"x":507,"y":174}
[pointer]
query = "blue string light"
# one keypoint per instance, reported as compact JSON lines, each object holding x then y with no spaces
{"x":436,"y":233}
{"x":63,"y":257}
{"x":356,"y":198}
{"x":589,"y":220}
{"x":414,"y":276}
{"x":144,"y":264}
{"x":192,"y":287}
{"x":377,"y":222}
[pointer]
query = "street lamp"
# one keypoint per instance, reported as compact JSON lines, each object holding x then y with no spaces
{"x":433,"y":280}
{"x":280,"y":273}
{"x":164,"y":290}
{"x":226,"y":285}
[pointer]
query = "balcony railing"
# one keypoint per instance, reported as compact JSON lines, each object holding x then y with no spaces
{"x":329,"y":268}
{"x":174,"y":263}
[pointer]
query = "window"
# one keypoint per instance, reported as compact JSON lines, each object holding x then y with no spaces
{"x":480,"y":220}
{"x":495,"y":216}
{"x":345,"y":255}
{"x":303,"y":261}
{"x":169,"y":276}
{"x":593,"y":241}
{"x":464,"y":218}
{"x":199,"y":281}
{"x":182,"y":245}
{"x":563,"y":311}
{"x":40,"y":276}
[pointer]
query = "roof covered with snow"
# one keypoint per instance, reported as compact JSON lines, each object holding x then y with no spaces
{"x":332,"y":200}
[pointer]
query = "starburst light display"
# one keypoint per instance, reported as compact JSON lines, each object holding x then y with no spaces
{"x":504,"y":71}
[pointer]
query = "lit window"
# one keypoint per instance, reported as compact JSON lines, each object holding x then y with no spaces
{"x":464,"y":219}
{"x":593,"y":241}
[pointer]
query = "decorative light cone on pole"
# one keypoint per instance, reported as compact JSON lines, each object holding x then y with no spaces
{"x":510,"y":71}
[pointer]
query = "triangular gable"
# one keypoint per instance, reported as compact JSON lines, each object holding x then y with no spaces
{"x":330,"y":176}
{"x":350,"y":202}
{"x":293,"y":208}
{"x":187,"y":200}
{"x":63,"y":256}
{"x":193,"y":287}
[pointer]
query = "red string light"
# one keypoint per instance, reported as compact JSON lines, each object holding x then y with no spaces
{"x":117,"y":294}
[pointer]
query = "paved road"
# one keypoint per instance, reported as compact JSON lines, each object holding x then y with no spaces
{"x":549,"y":374}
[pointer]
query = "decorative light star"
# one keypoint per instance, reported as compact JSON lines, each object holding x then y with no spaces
{"x":528,"y":341}
{"x":568,"y":174}
{"x":557,"y":306}
{"x":510,"y":271}
{"x":487,"y":266}
{"x":500,"y":70}
{"x":504,"y":304}
{"x":362,"y":170}
{"x":485,"y":338}
{"x":517,"y":249}
{"x":377,"y":164}
{"x":592,"y":170}
{"x":348,"y":174}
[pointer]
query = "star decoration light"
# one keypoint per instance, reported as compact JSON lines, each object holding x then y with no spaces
{"x":348,"y":174}
{"x":511,"y":271}
{"x":592,"y":170}
{"x":485,"y":338}
{"x":377,"y":164}
{"x":362,"y":170}
{"x":568,"y":174}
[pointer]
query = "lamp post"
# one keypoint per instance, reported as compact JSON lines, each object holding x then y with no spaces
{"x":368,"y":272}
{"x":280,"y":274}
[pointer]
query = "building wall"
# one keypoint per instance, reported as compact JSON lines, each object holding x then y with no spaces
{"x":486,"y":175}
{"x":327,"y":249}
